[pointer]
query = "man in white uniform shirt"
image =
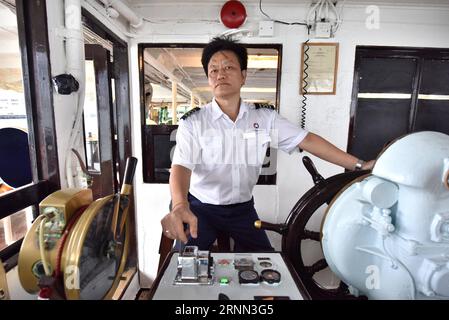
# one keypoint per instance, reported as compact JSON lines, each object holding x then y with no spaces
{"x":219,"y":154}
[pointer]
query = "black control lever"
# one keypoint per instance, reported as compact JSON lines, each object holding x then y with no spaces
{"x":130,"y":169}
{"x":308,"y":163}
{"x":117,"y":226}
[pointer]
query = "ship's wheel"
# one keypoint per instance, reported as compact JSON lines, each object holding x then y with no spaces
{"x":295,"y":231}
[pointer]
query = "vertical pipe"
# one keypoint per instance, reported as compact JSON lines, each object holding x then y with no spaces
{"x":192,"y":100}
{"x":174,"y":105}
{"x":75,"y":58}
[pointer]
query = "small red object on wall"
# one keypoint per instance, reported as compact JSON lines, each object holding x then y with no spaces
{"x":233,"y":14}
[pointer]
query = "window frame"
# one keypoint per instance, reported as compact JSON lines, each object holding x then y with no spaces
{"x":119,"y":71}
{"x":35,"y":54}
{"x":418,"y":53}
{"x":147,"y":143}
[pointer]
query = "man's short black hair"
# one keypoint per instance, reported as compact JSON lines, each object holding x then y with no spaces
{"x":221,"y":44}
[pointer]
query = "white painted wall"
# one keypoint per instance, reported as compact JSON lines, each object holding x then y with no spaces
{"x":65,"y":105}
{"x":328,"y":116}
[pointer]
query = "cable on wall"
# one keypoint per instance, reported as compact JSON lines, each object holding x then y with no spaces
{"x":306,"y":58}
{"x":280,"y":21}
{"x":305,"y":84}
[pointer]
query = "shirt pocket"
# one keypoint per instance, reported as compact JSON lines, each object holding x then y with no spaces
{"x":257,"y":145}
{"x":211,"y":150}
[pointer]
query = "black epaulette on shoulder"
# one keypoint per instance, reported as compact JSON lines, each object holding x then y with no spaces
{"x":189,"y":113}
{"x":264,"y":106}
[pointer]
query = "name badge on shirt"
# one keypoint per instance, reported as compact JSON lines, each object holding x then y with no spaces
{"x":249,"y":134}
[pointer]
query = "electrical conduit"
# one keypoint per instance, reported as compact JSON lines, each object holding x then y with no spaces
{"x":75,"y":57}
{"x":134,"y":20}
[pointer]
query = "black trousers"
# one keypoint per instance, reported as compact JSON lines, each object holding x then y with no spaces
{"x":237,"y":220}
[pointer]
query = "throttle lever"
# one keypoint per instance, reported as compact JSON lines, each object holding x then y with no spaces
{"x":117,"y":227}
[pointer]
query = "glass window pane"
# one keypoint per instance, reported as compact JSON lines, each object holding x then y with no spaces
{"x":15,"y":226}
{"x":91,"y":119}
{"x":15,"y":168}
{"x":175,"y":82}
{"x":177,"y":73}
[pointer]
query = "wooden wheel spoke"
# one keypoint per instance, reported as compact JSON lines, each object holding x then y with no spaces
{"x":316,"y":267}
{"x":312,"y":235}
{"x":342,"y":287}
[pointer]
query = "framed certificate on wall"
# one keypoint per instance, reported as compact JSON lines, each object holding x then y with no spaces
{"x":319,"y":64}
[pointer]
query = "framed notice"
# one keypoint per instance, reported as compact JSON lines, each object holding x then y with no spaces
{"x":319,"y":63}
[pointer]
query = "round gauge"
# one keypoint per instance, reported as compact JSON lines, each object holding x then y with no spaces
{"x":248,"y":276}
{"x":97,"y":257}
{"x":270,"y":276}
{"x":265,"y":264}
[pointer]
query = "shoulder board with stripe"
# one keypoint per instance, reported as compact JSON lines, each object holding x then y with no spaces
{"x":264,"y":106}
{"x":189,"y":113}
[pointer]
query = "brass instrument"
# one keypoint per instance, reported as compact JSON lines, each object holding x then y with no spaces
{"x":77,"y":247}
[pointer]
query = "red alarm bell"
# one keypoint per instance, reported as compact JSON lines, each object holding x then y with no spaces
{"x":233,"y":14}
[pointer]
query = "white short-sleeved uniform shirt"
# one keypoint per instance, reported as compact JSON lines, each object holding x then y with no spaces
{"x":226,"y":157}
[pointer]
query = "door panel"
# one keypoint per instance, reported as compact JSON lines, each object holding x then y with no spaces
{"x":432,"y":115}
{"x":383,"y":103}
{"x":397,"y":91}
{"x":435,"y":77}
{"x":433,"y":99}
{"x":386,"y":75}
{"x":378,"y":122}
{"x":103,"y":173}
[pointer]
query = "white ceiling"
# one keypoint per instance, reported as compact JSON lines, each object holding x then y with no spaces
{"x":405,"y":2}
{"x":299,"y":2}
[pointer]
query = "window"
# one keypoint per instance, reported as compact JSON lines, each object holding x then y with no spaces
{"x":107,"y":129}
{"x":397,"y":91}
{"x":15,"y":167}
{"x":91,"y":120}
{"x":26,"y":114}
{"x":15,"y":226}
{"x":107,"y":117}
{"x":173,"y":82}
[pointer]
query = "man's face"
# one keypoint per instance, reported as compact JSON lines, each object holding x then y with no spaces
{"x":224,"y":74}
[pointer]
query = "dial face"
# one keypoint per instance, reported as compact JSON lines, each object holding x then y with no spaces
{"x":243,"y":263}
{"x":270,"y":276}
{"x":265,"y":264}
{"x":249,"y":276}
{"x":100,"y":257}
